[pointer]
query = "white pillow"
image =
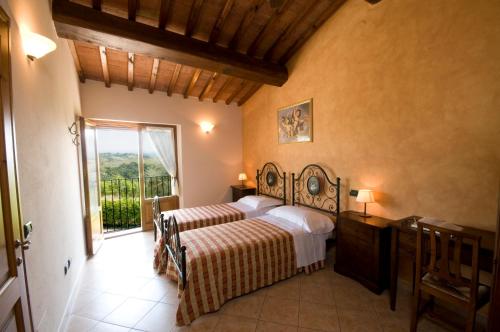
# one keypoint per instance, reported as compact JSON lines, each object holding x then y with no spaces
{"x":259,"y":202}
{"x":311,"y":221}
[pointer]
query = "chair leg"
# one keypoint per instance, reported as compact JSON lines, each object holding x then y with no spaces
{"x":415,"y":311}
{"x":471,"y":321}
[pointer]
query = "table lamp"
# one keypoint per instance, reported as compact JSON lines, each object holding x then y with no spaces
{"x":365,"y":196}
{"x":242,"y":177}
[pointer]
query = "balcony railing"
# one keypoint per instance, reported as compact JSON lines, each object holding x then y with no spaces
{"x":121,"y":200}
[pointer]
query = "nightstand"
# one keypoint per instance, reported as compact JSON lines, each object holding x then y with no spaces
{"x":363,"y":249}
{"x":241,"y":191}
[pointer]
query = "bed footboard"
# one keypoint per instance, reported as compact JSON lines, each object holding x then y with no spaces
{"x":173,"y":246}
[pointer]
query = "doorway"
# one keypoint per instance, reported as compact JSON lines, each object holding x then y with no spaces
{"x":126,"y":166}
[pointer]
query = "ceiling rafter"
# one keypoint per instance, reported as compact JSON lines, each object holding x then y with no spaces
{"x":173,"y":80}
{"x":164,"y":8}
{"x":76,"y":59}
{"x":97,"y":4}
{"x":272,"y":19}
{"x":192,"y":82}
{"x":208,"y":86}
{"x":238,"y":89}
{"x":77,"y":22}
{"x":291,"y":26}
{"x":194,"y":15}
{"x":221,"y":20}
{"x":104,"y":66}
{"x":249,"y":94}
{"x":246,"y":22}
{"x":154,"y":75}
{"x":130,"y":71}
{"x":132,"y":9}
{"x":334,"y":5}
{"x":221,"y":90}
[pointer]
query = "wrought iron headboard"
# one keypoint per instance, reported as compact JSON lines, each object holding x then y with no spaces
{"x":270,"y":182}
{"x":313,"y":188}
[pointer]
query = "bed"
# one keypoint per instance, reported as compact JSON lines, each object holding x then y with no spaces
{"x":271,"y":192}
{"x":215,"y":264}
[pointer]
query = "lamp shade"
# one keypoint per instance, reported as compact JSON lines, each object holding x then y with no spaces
{"x":206,"y":126}
{"x":365,"y":196}
{"x":242,"y":177}
{"x":36,"y":46}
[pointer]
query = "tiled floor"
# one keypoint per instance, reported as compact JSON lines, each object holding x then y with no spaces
{"x":121,"y":292}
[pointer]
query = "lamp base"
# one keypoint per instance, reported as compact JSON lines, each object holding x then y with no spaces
{"x":364,"y":215}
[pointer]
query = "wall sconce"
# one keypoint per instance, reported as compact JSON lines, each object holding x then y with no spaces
{"x":36,"y":46}
{"x":206,"y":127}
{"x":73,"y":130}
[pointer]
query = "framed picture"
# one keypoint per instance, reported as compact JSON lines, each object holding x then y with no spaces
{"x":295,"y":123}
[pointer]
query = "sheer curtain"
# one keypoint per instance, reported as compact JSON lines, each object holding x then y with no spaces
{"x":164,"y":143}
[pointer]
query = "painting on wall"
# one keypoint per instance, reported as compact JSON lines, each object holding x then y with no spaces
{"x":295,"y":123}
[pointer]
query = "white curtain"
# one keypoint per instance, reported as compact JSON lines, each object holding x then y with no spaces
{"x":164,"y":144}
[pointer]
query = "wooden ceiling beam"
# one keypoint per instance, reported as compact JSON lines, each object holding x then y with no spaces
{"x":334,"y":5}
{"x":154,"y":75}
{"x":164,"y":8}
{"x":208,"y":86}
{"x":78,"y":22}
{"x":104,"y":66}
{"x":194,"y":15}
{"x":192,"y":83}
{"x":236,"y":92}
{"x":97,"y":4}
{"x":76,"y":59}
{"x":246,"y":22}
{"x":273,"y":18}
{"x":291,"y":27}
{"x":227,"y":83}
{"x":221,"y":20}
{"x":132,"y":9}
{"x":249,"y":94}
{"x":130,"y":71}
{"x":173,"y":80}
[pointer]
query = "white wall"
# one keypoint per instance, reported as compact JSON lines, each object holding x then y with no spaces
{"x":209,"y":164}
{"x":45,"y":101}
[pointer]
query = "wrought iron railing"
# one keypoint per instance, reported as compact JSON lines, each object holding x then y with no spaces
{"x":121,"y":200}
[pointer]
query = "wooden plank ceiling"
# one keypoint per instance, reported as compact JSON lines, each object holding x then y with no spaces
{"x":259,"y":34}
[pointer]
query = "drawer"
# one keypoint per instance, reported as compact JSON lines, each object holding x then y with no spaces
{"x":358,"y":232}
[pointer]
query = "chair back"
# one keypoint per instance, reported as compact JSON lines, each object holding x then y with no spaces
{"x":443,"y":259}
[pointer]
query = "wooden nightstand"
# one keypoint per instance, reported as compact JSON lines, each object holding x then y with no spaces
{"x":363,"y":249}
{"x":241,"y":191}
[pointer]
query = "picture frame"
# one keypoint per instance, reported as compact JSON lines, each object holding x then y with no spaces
{"x":295,"y":123}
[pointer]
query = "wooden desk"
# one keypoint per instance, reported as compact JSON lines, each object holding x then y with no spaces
{"x":404,"y":240}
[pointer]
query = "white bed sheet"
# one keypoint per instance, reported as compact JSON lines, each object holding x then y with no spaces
{"x":309,"y":248}
{"x":249,"y":211}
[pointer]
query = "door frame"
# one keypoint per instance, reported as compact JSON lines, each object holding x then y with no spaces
{"x":14,"y":294}
{"x":139,"y":126}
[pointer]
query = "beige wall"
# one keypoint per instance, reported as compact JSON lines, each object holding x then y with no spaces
{"x":45,"y":101}
{"x":406,"y":102}
{"x":209,"y":164}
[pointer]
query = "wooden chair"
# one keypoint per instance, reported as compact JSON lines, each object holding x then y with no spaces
{"x":443,"y":276}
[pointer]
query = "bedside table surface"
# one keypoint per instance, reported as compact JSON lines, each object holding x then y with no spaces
{"x":375,"y":221}
{"x":240,"y":187}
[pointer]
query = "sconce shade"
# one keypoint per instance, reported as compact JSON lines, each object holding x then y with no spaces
{"x":242,"y":177}
{"x":206,"y":126}
{"x":365,"y":196}
{"x":36,"y":46}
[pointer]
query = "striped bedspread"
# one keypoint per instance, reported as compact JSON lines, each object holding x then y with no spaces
{"x":203,"y":216}
{"x":230,"y":260}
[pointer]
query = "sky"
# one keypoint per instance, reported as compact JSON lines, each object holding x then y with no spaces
{"x":123,"y":141}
